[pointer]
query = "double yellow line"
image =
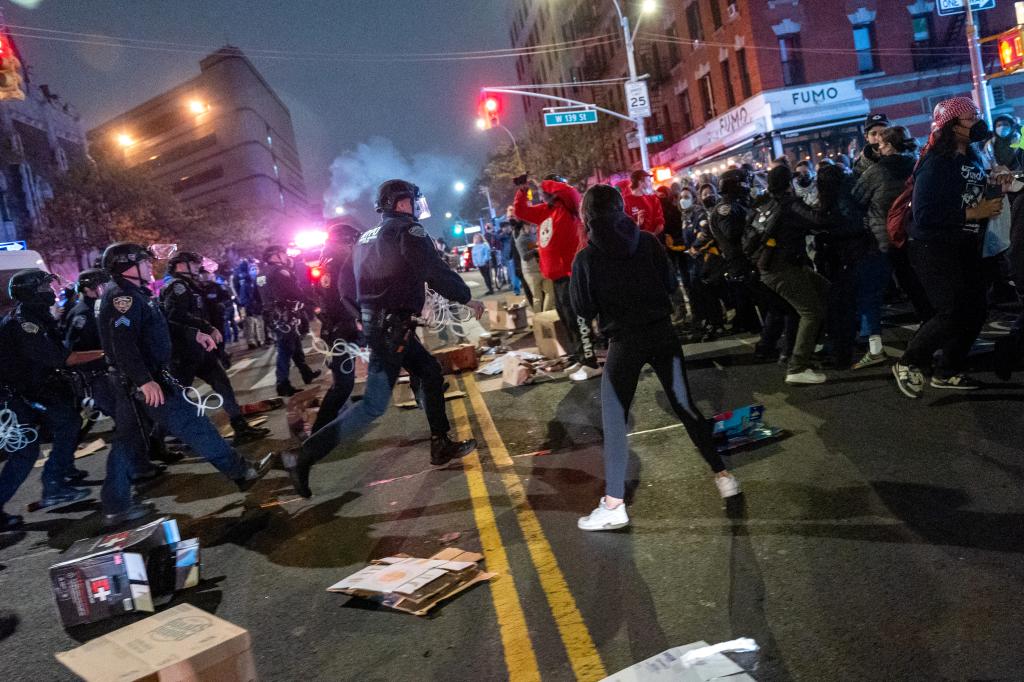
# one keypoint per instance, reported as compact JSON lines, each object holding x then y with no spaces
{"x":520,"y":658}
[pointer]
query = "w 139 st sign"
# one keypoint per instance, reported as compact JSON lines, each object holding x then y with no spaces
{"x":948,"y":7}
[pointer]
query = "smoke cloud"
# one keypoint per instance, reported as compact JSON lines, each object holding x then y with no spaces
{"x":356,"y":174}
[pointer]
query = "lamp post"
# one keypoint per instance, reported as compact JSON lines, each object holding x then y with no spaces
{"x":482,"y":125}
{"x":641,"y":128}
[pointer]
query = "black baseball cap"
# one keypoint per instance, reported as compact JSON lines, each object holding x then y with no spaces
{"x":875,"y":120}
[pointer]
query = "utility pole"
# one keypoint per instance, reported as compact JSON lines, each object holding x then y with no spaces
{"x":486,"y":191}
{"x":638,"y":121}
{"x":981,"y":97}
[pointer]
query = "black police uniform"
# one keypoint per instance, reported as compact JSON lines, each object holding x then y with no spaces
{"x":136,"y":338}
{"x":81,"y":334}
{"x":286,"y":307}
{"x":339,"y":314}
{"x":41,"y":394}
{"x":392,"y":262}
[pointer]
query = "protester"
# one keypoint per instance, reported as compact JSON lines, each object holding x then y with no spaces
{"x":641,"y":203}
{"x":950,"y":211}
{"x":623,"y":279}
{"x":536,"y":285}
{"x":875,"y":191}
{"x":672,"y":240}
{"x":803,"y":182}
{"x":873,"y":127}
{"x":482,"y":261}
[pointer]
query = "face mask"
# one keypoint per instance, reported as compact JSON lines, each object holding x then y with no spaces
{"x":1003,"y":131}
{"x":979,"y":132}
{"x":687,"y":204}
{"x":709,"y":202}
{"x":803,"y":180}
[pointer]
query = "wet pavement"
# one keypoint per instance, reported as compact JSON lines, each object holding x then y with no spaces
{"x":879,"y":540}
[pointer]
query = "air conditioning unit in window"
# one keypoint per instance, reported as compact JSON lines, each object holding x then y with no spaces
{"x":732,"y":11}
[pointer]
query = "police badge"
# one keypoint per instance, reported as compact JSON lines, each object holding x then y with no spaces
{"x":122,"y":304}
{"x":30,"y":327}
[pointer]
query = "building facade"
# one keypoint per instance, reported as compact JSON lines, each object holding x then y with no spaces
{"x":40,"y":138}
{"x":223,"y":138}
{"x":750,"y":80}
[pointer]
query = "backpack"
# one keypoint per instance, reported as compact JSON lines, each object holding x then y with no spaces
{"x":900,"y":215}
{"x":761,"y":222}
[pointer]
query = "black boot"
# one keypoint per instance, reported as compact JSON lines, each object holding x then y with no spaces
{"x":255,"y":472}
{"x":1007,"y":353}
{"x":149,"y":474}
{"x":75,"y":475}
{"x":245,"y":433}
{"x":308,"y":375}
{"x":62,"y":495}
{"x":132,"y":513}
{"x":286,"y":390}
{"x":298,"y":466}
{"x":9,"y":522}
{"x":443,"y":449}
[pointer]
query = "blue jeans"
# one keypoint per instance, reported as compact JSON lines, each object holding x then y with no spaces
{"x":177,"y":418}
{"x":873,"y":273}
{"x":385,"y":364}
{"x":289,"y":349}
{"x":63,"y":423}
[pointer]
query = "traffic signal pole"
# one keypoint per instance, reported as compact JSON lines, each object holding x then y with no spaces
{"x":980,"y":87}
{"x":641,"y":127}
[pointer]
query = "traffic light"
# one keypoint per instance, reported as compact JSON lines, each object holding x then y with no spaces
{"x":10,"y":71}
{"x":457,"y":229}
{"x":490,"y":111}
{"x":1011,"y":50}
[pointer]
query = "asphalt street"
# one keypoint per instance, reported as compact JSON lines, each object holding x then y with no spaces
{"x":879,"y":540}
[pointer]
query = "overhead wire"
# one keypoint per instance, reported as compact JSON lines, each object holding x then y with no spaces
{"x":896,"y":51}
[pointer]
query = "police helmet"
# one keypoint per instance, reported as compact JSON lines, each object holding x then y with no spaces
{"x":391,"y":192}
{"x":32,"y":286}
{"x":734,"y":181}
{"x":189,"y":257}
{"x":341,"y":232}
{"x":92,"y":278}
{"x":121,"y":256}
{"x":274,"y":250}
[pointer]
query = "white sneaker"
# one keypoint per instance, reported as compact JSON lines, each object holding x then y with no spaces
{"x":586,"y":372}
{"x":728,"y":486}
{"x":604,"y":518}
{"x":572,"y":369}
{"x":808,"y":376}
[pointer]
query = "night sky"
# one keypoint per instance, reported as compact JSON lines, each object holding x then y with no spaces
{"x":425,"y":110}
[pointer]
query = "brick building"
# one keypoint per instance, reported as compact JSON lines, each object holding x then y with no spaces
{"x":221,"y":138}
{"x":734,"y":80}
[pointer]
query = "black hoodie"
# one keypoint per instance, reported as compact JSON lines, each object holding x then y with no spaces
{"x":622,"y":277}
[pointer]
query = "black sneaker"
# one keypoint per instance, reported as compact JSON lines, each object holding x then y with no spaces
{"x":246,"y":433}
{"x":298,"y":468}
{"x":132,"y":513}
{"x":957,"y":382}
{"x":254,"y":473}
{"x":909,"y":379}
{"x":443,"y":449}
{"x":286,"y":390}
{"x":309,"y":375}
{"x":60,"y":496}
{"x":9,"y":522}
{"x":75,"y":475}
{"x":149,"y":474}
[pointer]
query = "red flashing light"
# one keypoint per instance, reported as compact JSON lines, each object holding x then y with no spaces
{"x":315,"y":272}
{"x":491,"y":104}
{"x":1011,"y":50}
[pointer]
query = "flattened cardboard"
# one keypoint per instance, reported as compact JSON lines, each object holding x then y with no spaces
{"x":457,"y":358}
{"x":181,"y":644}
{"x":415,"y":585}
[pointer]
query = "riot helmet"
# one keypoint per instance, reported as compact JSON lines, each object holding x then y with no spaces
{"x":92,"y":278}
{"x":33,"y":287}
{"x":391,"y":192}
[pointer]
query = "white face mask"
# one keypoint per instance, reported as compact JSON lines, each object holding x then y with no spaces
{"x":687,"y":204}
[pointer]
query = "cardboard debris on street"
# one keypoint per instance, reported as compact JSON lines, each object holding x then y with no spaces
{"x":183,"y":644}
{"x":415,"y":585}
{"x":743,"y":426}
{"x":132,"y":570}
{"x":456,"y":358}
{"x":84,"y":450}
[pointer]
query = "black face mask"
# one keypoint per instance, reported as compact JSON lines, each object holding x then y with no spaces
{"x":709,"y":202}
{"x":979,"y":132}
{"x":803,"y":180}
{"x":42,"y":299}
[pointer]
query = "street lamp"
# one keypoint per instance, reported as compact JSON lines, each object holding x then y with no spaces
{"x":339,"y":210}
{"x":646,"y":7}
{"x":197,"y":107}
{"x":125,"y":140}
{"x":447,"y":215}
{"x":481,"y":124}
{"x":459,"y":186}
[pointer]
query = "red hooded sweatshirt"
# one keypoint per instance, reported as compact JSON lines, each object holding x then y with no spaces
{"x":653,"y":217}
{"x":558,"y":227}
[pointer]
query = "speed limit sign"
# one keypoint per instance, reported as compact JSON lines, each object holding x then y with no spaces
{"x":637,"y":100}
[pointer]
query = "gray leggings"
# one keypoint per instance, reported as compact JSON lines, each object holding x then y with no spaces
{"x":626,"y":357}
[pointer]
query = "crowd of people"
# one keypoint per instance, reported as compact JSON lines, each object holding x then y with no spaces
{"x":803,"y":255}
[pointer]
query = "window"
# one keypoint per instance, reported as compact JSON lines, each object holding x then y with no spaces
{"x":685,"y":113}
{"x":673,"y":47}
{"x":730,"y":95}
{"x":693,"y":22}
{"x":707,"y":98}
{"x":922,"y":27}
{"x":190,"y":181}
{"x":864,"y":43}
{"x":716,"y":14}
{"x":180,"y":152}
{"x":741,"y":60}
{"x":792,"y":60}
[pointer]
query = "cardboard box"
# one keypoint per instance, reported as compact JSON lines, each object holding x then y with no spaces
{"x":181,"y":644}
{"x":515,"y":371}
{"x":516,"y":318}
{"x":133,"y":570}
{"x":457,"y":358}
{"x":415,"y":585}
{"x":403,"y":392}
{"x":550,"y":335}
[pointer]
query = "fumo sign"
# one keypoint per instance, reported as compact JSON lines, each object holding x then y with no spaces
{"x":815,"y":96}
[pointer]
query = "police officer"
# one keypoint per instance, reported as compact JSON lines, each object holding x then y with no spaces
{"x":392,"y":263}
{"x":186,"y":310}
{"x":288,"y":308}
{"x":34,"y":372}
{"x":339,"y":316}
{"x":137,"y":339}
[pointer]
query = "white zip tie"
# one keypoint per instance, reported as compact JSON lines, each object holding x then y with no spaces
{"x":439,"y":314}
{"x":14,"y":436}
{"x":341,"y":348}
{"x":202,"y":403}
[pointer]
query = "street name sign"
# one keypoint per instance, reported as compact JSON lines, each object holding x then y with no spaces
{"x":570,"y":118}
{"x":652,"y":139}
{"x":637,"y":100}
{"x":948,"y":7}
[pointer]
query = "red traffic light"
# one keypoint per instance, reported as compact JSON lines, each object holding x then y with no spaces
{"x":491,"y":105}
{"x":489,"y":110}
{"x":1011,"y":50}
{"x":315,"y":273}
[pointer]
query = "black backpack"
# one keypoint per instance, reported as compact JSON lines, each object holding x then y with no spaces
{"x":761,"y":224}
